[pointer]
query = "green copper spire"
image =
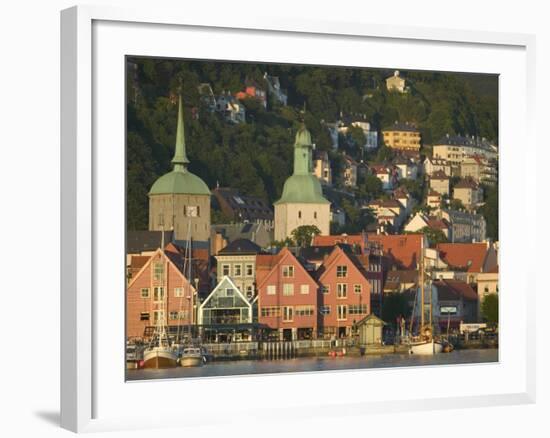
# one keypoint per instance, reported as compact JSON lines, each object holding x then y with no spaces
{"x":180,"y":180}
{"x":180,"y":159}
{"x":302,"y":186}
{"x":302,"y":152}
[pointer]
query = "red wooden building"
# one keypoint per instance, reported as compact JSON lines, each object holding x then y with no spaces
{"x":287,"y":296}
{"x":344,"y":297}
{"x":157,"y":289}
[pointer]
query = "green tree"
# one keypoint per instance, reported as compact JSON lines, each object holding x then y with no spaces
{"x":490,"y":211}
{"x":303,"y":235}
{"x":357,"y":136}
{"x":371,"y":187}
{"x":489,"y":309}
{"x":434,"y":236}
{"x":394,"y":305}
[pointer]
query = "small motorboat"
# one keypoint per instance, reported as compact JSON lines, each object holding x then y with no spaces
{"x":192,"y":357}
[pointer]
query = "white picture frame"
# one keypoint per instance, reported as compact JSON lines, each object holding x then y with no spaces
{"x":84,"y":367}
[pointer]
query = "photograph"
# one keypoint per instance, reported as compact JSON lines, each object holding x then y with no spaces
{"x":285,"y":218}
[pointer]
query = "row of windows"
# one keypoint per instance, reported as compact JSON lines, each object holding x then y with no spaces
{"x":342,"y":289}
{"x":288,"y":289}
{"x":159,"y":314}
{"x":238,"y":270}
{"x":158,"y":293}
{"x":287,"y":311}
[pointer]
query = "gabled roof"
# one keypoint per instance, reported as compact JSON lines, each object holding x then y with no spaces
{"x":226,"y":281}
{"x":170,"y":257}
{"x":439,"y":174}
{"x":338,"y":252}
{"x":467,"y":183}
{"x":266,"y":263}
{"x":241,"y":246}
{"x":403,"y":250}
{"x":466,"y":256}
{"x":437,"y":224}
{"x":432,"y":192}
{"x":454,"y":290}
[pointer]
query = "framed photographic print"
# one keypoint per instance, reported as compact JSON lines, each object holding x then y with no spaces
{"x":282,"y":212}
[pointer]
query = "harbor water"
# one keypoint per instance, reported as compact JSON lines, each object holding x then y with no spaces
{"x":245,"y":367}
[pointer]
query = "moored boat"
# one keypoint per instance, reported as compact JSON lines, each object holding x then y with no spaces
{"x":159,"y":357}
{"x":426,"y":347}
{"x":192,"y":357}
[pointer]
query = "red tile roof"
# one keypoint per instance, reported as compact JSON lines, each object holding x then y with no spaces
{"x":403,"y":250}
{"x":469,"y":256}
{"x":353,"y":239}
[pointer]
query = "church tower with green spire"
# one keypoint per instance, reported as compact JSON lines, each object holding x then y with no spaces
{"x":180,"y":200}
{"x":302,"y":202}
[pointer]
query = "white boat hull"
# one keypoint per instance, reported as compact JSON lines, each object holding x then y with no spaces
{"x":159,"y":357}
{"x":192,"y":361}
{"x":426,"y":348}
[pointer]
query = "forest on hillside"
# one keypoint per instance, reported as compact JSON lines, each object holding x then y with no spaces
{"x":256,"y":157}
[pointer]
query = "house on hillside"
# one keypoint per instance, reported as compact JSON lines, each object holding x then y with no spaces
{"x":469,"y":193}
{"x":396,"y":83}
{"x":439,"y":182}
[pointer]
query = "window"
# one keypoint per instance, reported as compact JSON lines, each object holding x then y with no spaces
{"x":342,"y":311}
{"x":358,"y":288}
{"x":249,"y":270}
{"x":229,"y":292}
{"x":191,"y":211}
{"x":342,"y":290}
{"x":271,"y":289}
{"x":178,"y":291}
{"x":271,"y":311}
{"x":145,"y":292}
{"x":325,"y":289}
{"x":304,"y":289}
{"x":324,"y":310}
{"x":177,"y":315}
{"x":225,"y":269}
{"x":341,"y":271}
{"x":237,"y":270}
{"x":288,"y":271}
{"x":249,"y":291}
{"x":358,"y":309}
{"x":158,"y":293}
{"x":158,"y":270}
{"x":288,"y":289}
{"x":144,"y":316}
{"x":314,"y":215}
{"x":299,"y":215}
{"x":287,"y":313}
{"x":305,"y":311}
{"x":158,"y":315}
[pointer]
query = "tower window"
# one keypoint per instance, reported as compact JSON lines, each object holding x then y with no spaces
{"x":314,"y":215}
{"x":299,"y":215}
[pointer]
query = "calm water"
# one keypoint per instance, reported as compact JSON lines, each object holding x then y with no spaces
{"x":235,"y":368}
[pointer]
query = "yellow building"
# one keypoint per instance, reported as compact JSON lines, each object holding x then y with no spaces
{"x":395,"y":83}
{"x":402,"y":136}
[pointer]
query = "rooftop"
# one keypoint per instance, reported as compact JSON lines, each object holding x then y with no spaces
{"x":466,"y":256}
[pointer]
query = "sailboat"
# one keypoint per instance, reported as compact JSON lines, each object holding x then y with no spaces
{"x":426,"y":344}
{"x":159,"y":353}
{"x":190,"y":355}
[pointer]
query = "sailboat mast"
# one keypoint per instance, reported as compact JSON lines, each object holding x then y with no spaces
{"x":422,"y":285}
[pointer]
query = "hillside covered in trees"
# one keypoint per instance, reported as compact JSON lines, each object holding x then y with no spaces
{"x":256,"y":157}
